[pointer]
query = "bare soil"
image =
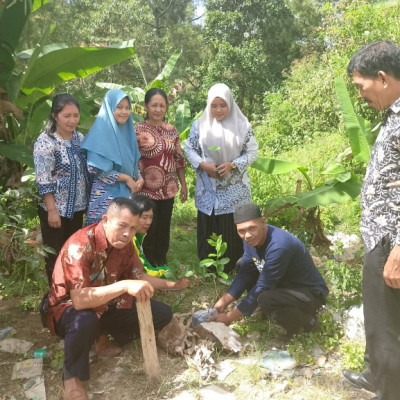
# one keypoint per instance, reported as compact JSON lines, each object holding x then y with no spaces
{"x":123,"y":377}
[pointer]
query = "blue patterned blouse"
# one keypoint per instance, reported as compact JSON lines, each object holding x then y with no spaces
{"x":221,"y":195}
{"x":61,"y":169}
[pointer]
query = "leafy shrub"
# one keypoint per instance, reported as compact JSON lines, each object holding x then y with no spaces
{"x":352,"y":356}
{"x":344,"y":281}
{"x":326,"y":337}
{"x":21,"y":264}
{"x":215,"y":260}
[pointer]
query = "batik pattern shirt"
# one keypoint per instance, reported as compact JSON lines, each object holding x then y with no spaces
{"x":161,"y":156}
{"x":380,"y":195}
{"x":61,"y":170}
{"x":87,"y":260}
{"x":224,"y":194}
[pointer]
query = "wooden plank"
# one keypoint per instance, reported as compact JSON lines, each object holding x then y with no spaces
{"x":148,"y":339}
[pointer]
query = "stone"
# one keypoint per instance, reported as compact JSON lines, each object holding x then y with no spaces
{"x":35,"y":389}
{"x":27,"y":368}
{"x":225,"y":368}
{"x":185,"y":395}
{"x":353,"y":324}
{"x":214,"y":392}
{"x":217,"y":331}
{"x":348,"y":245}
{"x":12,"y":345}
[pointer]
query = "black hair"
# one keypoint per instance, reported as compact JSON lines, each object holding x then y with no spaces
{"x":59,"y":102}
{"x":374,"y":57}
{"x":120,"y":203}
{"x":152,"y":92}
{"x":143,"y":202}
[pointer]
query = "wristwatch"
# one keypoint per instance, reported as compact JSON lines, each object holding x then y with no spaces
{"x":233,"y":165}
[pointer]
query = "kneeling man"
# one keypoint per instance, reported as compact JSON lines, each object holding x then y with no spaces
{"x":96,"y":283}
{"x":279,"y":274}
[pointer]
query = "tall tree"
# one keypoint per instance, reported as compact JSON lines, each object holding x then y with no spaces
{"x":252,"y":42}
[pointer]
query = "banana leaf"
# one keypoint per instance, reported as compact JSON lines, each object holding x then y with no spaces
{"x":182,"y":116}
{"x":273,"y":166}
{"x":59,"y":66}
{"x":358,"y":129}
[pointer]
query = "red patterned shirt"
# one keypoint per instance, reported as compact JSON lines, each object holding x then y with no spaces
{"x":88,"y":260}
{"x":162,"y":155}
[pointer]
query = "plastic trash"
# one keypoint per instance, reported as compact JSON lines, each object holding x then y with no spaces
{"x":202,"y":316}
{"x":5,"y":332}
{"x":277,"y":361}
{"x":39,"y":353}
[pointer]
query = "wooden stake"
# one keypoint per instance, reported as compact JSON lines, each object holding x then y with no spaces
{"x":148,"y":339}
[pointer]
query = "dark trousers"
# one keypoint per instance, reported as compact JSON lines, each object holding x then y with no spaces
{"x":221,"y":225}
{"x":294,"y":309}
{"x":81,"y":328}
{"x":156,"y":242}
{"x":382,"y":323}
{"x":56,"y":237}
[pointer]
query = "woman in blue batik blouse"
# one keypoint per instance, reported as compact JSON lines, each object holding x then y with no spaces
{"x":61,"y":176}
{"x":221,"y":146}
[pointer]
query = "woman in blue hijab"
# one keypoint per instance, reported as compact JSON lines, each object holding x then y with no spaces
{"x":112,"y":154}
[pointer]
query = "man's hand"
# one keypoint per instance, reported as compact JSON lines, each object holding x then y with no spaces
{"x":221,"y":318}
{"x":391,"y":271}
{"x":182,"y":283}
{"x":227,"y":318}
{"x":92,"y":297}
{"x":142,"y":290}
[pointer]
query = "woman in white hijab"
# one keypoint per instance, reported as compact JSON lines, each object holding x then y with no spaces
{"x":221,"y":145}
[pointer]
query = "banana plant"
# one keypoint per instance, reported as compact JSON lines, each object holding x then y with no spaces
{"x":47,"y":67}
{"x":335,"y":183}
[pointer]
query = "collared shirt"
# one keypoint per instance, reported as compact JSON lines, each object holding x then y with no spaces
{"x":161,"y":156}
{"x":286,"y":263}
{"x":88,"y":260}
{"x":221,"y":195}
{"x":61,"y":170}
{"x":380,"y":194}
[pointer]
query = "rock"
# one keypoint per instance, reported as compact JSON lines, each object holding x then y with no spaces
{"x":317,"y":261}
{"x":12,"y":345}
{"x":214,"y":392}
{"x":225,"y":368}
{"x":348,"y":245}
{"x":34,"y":388}
{"x":27,"y":368}
{"x":185,"y":395}
{"x":321,"y":361}
{"x":217,"y":331}
{"x":307,"y":372}
{"x":318,"y":351}
{"x":353,"y":325}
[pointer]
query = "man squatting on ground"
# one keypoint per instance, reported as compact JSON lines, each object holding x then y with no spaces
{"x":375,"y":70}
{"x":96,"y":283}
{"x":277,"y":271}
